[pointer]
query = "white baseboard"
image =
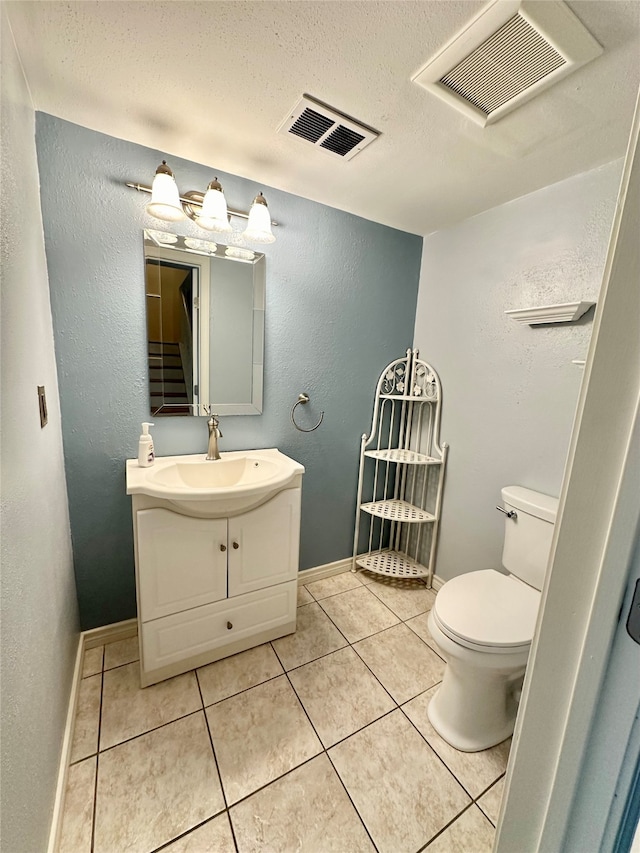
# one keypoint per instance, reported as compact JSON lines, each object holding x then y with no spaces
{"x":110,"y":633}
{"x":325,"y":571}
{"x":65,"y":754}
{"x":87,"y":640}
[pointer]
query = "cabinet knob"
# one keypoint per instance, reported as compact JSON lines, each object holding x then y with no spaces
{"x":229,"y":626}
{"x":223,"y":547}
{"x":235,"y":546}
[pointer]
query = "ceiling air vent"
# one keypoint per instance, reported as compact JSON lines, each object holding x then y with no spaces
{"x":508,"y":54}
{"x":328,"y":129}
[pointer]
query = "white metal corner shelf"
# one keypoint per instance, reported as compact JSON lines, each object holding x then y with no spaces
{"x":401,"y":477}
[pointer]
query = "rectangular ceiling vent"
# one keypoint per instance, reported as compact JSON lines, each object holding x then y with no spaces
{"x":327,"y":129}
{"x":508,"y":54}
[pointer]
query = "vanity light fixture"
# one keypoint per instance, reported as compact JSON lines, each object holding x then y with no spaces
{"x":165,"y":198}
{"x":214,"y":215}
{"x":258,"y":228}
{"x":208,"y":210}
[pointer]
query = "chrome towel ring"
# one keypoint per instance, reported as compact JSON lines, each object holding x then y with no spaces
{"x":304,"y":399}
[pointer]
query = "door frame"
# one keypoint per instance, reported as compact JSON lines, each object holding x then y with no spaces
{"x":596,"y":530}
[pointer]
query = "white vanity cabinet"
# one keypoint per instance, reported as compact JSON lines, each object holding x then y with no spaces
{"x":210,"y":586}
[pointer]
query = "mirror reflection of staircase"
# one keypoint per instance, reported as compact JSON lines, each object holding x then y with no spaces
{"x":166,"y":379}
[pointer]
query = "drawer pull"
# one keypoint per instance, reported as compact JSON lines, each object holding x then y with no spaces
{"x":235,"y":546}
{"x":223,"y":547}
{"x":229,"y":626}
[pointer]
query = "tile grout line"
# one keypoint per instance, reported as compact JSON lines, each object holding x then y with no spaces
{"x":474,"y":800}
{"x":95,"y":784}
{"x":215,"y":758}
{"x":379,"y":602}
{"x":375,"y":633}
{"x":445,"y":828}
{"x":398,"y":706}
{"x":148,"y":731}
{"x":375,"y":846}
{"x":216,"y":814}
{"x":191,"y":829}
{"x":350,"y":645}
{"x":440,"y":759}
{"x":325,"y":751}
{"x":91,"y":754}
{"x":477,"y":800}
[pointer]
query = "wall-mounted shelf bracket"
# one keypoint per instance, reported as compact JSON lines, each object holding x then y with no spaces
{"x":566,"y":312}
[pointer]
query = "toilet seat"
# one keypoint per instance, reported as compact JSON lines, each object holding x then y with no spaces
{"x":487,"y":611}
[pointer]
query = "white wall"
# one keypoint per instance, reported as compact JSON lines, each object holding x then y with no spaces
{"x":509,"y":391}
{"x":38,"y":606}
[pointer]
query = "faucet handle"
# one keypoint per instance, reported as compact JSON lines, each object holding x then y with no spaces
{"x":206,"y":408}
{"x":214,"y":423}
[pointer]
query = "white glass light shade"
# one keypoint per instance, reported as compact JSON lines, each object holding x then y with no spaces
{"x":213,"y":216}
{"x":258,"y":228}
{"x":165,"y":199}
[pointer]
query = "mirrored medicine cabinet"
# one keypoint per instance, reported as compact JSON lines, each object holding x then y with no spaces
{"x":205,"y":326}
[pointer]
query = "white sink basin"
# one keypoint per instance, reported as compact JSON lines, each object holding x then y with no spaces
{"x":221,"y":474}
{"x":236,"y":482}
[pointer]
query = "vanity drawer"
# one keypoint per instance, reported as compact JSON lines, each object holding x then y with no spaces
{"x":188,"y":636}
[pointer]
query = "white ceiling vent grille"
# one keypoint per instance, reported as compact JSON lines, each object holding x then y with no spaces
{"x":508,"y":54}
{"x":327,"y":129}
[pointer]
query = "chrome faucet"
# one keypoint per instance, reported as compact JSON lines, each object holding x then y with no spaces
{"x":214,"y":434}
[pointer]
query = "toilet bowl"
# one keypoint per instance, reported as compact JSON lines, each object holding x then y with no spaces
{"x":483,"y":623}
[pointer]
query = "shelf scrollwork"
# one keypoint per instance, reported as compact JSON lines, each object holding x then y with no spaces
{"x":395,"y":379}
{"x":402,"y":381}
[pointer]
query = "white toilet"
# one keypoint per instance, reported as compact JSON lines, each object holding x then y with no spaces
{"x":483,"y":622}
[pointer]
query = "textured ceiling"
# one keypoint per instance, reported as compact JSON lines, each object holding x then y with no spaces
{"x":212,"y":81}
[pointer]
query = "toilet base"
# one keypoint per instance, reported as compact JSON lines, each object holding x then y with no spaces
{"x":475,"y":708}
{"x":474,"y":738}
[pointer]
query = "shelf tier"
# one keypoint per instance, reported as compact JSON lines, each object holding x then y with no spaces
{"x":395,"y":510}
{"x":393,"y":563}
{"x":409,"y":398}
{"x":410,"y":457}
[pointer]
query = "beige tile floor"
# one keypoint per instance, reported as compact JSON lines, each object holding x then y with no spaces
{"x":317,"y":742}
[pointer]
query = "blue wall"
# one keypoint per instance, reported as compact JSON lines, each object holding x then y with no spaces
{"x":341,"y":298}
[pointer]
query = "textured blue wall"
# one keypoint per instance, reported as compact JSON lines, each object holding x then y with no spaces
{"x":341,"y":298}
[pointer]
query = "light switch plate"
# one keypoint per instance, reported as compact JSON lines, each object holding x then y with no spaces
{"x":42,"y":402}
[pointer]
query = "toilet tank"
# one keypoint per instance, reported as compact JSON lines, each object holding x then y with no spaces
{"x":527,"y":538}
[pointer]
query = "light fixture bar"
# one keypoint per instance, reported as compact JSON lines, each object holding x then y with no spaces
{"x":193,"y":198}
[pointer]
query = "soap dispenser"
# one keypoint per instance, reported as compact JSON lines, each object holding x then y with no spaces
{"x":146,"y":456}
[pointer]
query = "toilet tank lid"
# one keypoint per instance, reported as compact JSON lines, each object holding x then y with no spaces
{"x":533,"y":503}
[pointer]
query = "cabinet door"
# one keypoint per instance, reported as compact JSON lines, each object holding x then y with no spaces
{"x":264,"y":544}
{"x":182,"y":562}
